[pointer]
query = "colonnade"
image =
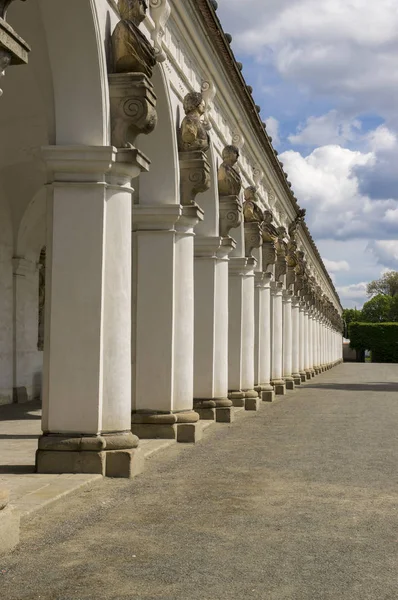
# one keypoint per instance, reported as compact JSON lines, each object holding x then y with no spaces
{"x":174,"y":294}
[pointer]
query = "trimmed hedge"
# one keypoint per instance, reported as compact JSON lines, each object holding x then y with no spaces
{"x":380,"y":338}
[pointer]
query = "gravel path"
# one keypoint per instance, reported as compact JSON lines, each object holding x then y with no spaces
{"x":296,"y":502}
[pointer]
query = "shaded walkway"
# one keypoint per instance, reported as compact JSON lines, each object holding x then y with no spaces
{"x":297,"y":502}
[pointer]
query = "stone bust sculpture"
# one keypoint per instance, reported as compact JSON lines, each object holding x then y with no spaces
{"x":229,"y":180}
{"x":281,"y":244}
{"x":132,"y":53}
{"x":292,"y":253}
{"x":251,"y":211}
{"x":193,"y":134}
{"x":270,"y":233}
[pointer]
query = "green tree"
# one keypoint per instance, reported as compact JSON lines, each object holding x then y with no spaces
{"x":387,"y":285}
{"x":377,"y":309}
{"x":351,"y":315}
{"x":394,"y":310}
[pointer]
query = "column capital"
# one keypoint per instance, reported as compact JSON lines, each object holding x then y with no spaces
{"x":241,"y":266}
{"x":287,"y":295}
{"x":276,"y":288}
{"x":94,"y":164}
{"x":262,"y":280}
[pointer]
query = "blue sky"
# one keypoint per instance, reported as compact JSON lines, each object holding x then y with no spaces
{"x":325,"y":73}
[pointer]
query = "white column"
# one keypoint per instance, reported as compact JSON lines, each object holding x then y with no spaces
{"x":87,"y":346}
{"x":163,"y":308}
{"x":211,"y":329}
{"x":287,"y":339}
{"x":311,"y":340}
{"x":277,"y":338}
{"x":316,"y":342}
{"x":307,"y":363}
{"x":241,"y":333}
{"x":263,"y":337}
{"x":302,"y":352}
{"x":296,"y":340}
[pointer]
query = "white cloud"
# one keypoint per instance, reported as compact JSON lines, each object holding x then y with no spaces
{"x":336,"y":265}
{"x":355,"y":291}
{"x":330,"y":128}
{"x":273,"y":130}
{"x":330,"y":47}
{"x":381,"y":139}
{"x":385,"y":252}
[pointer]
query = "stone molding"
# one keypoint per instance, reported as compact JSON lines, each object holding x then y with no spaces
{"x":94,"y":164}
{"x":133,"y":107}
{"x":230,"y":214}
{"x":194,"y":176}
{"x":253,"y":237}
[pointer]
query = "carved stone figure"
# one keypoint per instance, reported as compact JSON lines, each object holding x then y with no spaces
{"x":229,"y":179}
{"x":193,"y":135}
{"x":292,"y":253}
{"x":270,"y":233}
{"x":251,"y":211}
{"x":296,"y":223}
{"x":132,"y":53}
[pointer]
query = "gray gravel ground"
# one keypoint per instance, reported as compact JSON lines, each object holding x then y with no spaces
{"x":296,"y":502}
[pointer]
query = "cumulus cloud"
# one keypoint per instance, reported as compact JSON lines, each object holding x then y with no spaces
{"x":331,"y":128}
{"x":333,"y":47}
{"x":382,"y":139}
{"x":385,"y":252}
{"x":336,"y":265}
{"x":273,"y":130}
{"x":326,"y":183}
{"x":354,"y":292}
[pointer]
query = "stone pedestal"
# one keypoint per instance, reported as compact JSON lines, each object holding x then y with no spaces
{"x":211,"y":329}
{"x":277,"y":338}
{"x":87,"y":345}
{"x":241,"y":333}
{"x":262,"y":321}
{"x":163,"y":314}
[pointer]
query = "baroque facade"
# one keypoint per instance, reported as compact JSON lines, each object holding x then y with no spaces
{"x":156,"y":269}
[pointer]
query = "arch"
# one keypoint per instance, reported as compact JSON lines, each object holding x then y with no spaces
{"x":161,"y":184}
{"x":78,"y":65}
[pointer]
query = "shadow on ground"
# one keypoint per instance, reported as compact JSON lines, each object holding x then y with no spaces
{"x":357,"y":387}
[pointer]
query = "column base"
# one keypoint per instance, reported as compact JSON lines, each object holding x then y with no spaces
{"x":308,"y":374}
{"x":289,"y":383}
{"x":182,"y":427}
{"x":237,"y":397}
{"x":296,"y":378}
{"x":313,"y":372}
{"x":303,"y":376}
{"x":265,"y":392}
{"x":110,"y":455}
{"x":252,"y":401}
{"x":279,"y":387}
{"x":214,"y":409}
